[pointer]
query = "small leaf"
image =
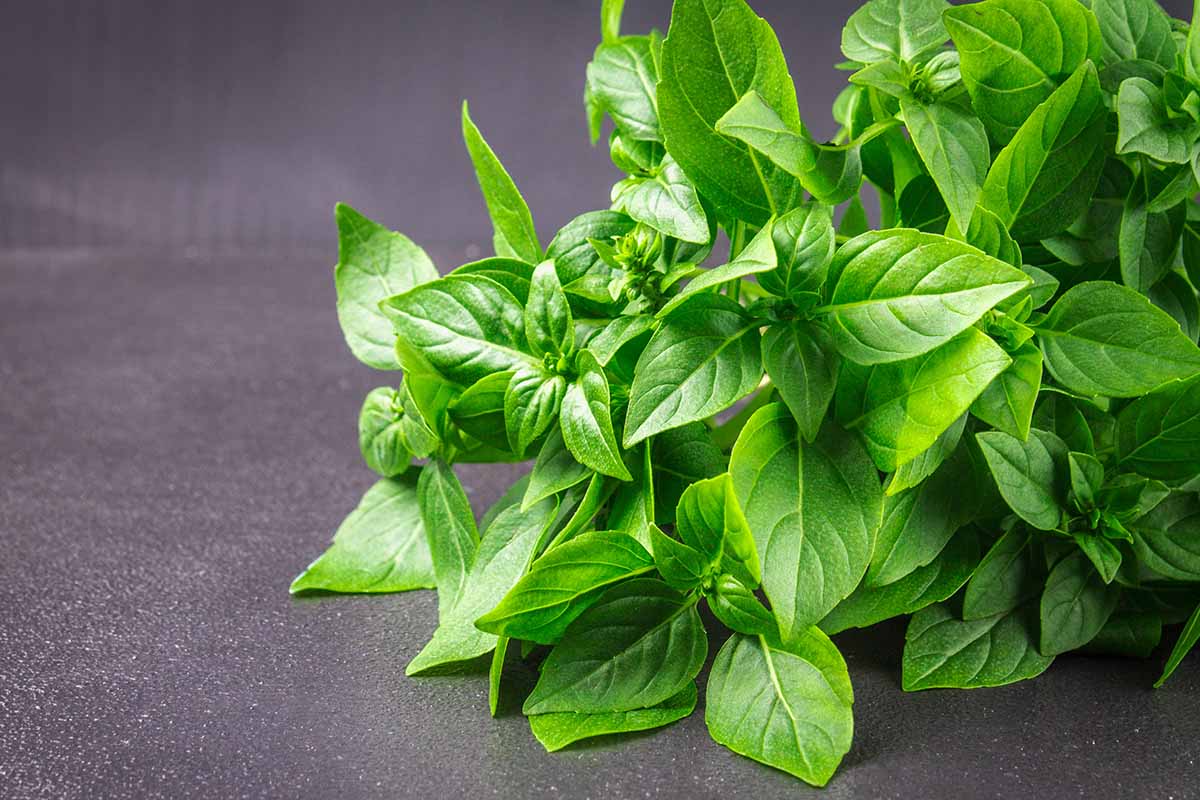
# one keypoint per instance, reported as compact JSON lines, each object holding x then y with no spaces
{"x":1007,"y":402}
{"x":682,"y":566}
{"x":380,"y":433}
{"x":554,"y":471}
{"x":1005,"y":578}
{"x":739,"y":610}
{"x":709,"y":519}
{"x":1029,"y":474}
{"x":380,"y":547}
{"x":757,"y":257}
{"x":1187,"y":640}
{"x":1167,"y":539}
{"x":894,"y":30}
{"x":515,"y":236}
{"x":942,"y":651}
{"x":549,"y":327}
{"x":558,"y":730}
{"x":804,"y":246}
{"x":620,"y":81}
{"x":1075,"y":605}
{"x":953,"y":144}
{"x":1146,"y":126}
{"x":532,"y":401}
{"x":666,"y":201}
{"x":586,"y":421}
{"x":801,"y":361}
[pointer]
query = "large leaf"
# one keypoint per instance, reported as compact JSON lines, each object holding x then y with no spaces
{"x":1030,"y":474}
{"x":942,"y":651}
{"x":514,"y":235}
{"x":814,"y":509}
{"x":702,"y":359}
{"x":380,"y":547}
{"x":450,"y":528}
{"x":558,"y":730}
{"x":1014,"y":53}
{"x":1158,"y":435}
{"x":463,"y":328}
{"x":715,"y":52}
{"x":902,"y":408}
{"x":1041,"y":181}
{"x":786,"y":704}
{"x":1105,"y":339}
{"x":953,"y":144}
{"x":1167,"y":539}
{"x":894,"y":30}
{"x":922,"y":587}
{"x":373,"y":265}
{"x":504,"y":554}
{"x":563,"y":583}
{"x":640,"y":644}
{"x":900,"y":293}
{"x":666,"y":201}
{"x":1075,"y":605}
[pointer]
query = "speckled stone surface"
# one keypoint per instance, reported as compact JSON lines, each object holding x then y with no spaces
{"x":177,"y":442}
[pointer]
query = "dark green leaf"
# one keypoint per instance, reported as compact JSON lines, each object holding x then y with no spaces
{"x":709,"y":519}
{"x":1005,"y":579}
{"x":1135,"y":29}
{"x":1158,"y":435}
{"x":1187,"y":640}
{"x":1146,"y":125}
{"x":953,"y":144}
{"x":555,"y":470}
{"x":1075,"y":605}
{"x":1167,"y":539}
{"x":942,"y":651}
{"x":1030,"y":474}
{"x":682,"y":566}
{"x":582,"y":272}
{"x":1007,"y":402}
{"x":911,"y":473}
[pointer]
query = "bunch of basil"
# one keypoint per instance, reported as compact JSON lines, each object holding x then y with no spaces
{"x":985,"y":414}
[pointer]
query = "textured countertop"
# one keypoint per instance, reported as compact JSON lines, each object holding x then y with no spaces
{"x":177,"y":441}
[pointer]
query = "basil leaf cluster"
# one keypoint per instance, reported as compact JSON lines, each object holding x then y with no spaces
{"x":984,"y":413}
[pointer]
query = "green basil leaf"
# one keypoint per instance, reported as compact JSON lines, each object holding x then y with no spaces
{"x":894,"y":30}
{"x":1014,"y":53}
{"x":558,"y":730}
{"x":724,"y":38}
{"x":1175,"y":295}
{"x":1101,"y":551}
{"x":504,"y":554}
{"x":620,"y":80}
{"x":893,"y":78}
{"x":462,"y":328}
{"x":921,"y":206}
{"x":616,"y":334}
{"x":479,"y":410}
{"x":1029,"y":474}
{"x":1167,"y":539}
{"x":1147,"y":241}
{"x":373,"y":265}
{"x":1105,"y":339}
{"x":786,"y":703}
{"x":804,"y":246}
{"x":496,"y":673}
{"x":682,"y":566}
{"x":1187,"y":640}
{"x":901,"y":408}
{"x":990,"y":234}
{"x":666,"y":201}
{"x":701,"y":360}
{"x":515,"y":236}
{"x":802,"y":362}
{"x":513,"y":274}
{"x":1004,"y":579}
{"x":954,"y":146}
{"x":450,"y":527}
{"x":532,"y":401}
{"x":901,"y":293}
{"x":632,"y":506}
{"x":1060,"y":415}
{"x":554,"y":471}
{"x":549,"y":327}
{"x":942,"y":651}
{"x":739,"y":610}
{"x":911,"y":473}
{"x":380,"y":433}
{"x":1043,"y":179}
{"x":1007,"y":402}
{"x":682,"y":456}
{"x":757,"y":257}
{"x":918,"y":523}
{"x":814,"y":509}
{"x":380,"y":547}
{"x":1158,"y":435}
{"x":1135,"y":29}
{"x":640,"y":644}
{"x":1146,"y":125}
{"x":564,"y":583}
{"x":922,"y":587}
{"x":1075,"y":605}
{"x":586,"y":421}
{"x":710,"y":520}
{"x":1133,"y":631}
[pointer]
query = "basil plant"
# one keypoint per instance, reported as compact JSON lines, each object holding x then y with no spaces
{"x":755,"y":422}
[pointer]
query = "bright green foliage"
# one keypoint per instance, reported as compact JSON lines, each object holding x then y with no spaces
{"x":985,"y":413}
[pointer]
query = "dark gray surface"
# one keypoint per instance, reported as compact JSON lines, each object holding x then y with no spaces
{"x":177,"y":442}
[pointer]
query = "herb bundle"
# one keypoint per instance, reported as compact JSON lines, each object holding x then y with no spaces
{"x":985,"y":414}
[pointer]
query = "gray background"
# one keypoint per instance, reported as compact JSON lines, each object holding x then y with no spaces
{"x":177,"y":425}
